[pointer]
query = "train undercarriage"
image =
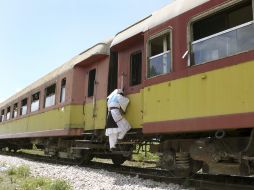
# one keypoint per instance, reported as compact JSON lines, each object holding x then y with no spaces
{"x":219,"y":152}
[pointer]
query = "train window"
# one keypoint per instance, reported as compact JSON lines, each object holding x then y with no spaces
{"x":23,"y":109}
{"x":159,"y":52}
{"x":15,"y":110}
{"x":8,"y":114}
{"x":35,"y":102}
{"x":2,"y":116}
{"x":225,"y":33}
{"x":50,"y":96}
{"x":91,"y":82}
{"x":63,"y":90}
{"x":135,"y":68}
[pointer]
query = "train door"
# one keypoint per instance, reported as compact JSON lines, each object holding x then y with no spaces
{"x":90,"y":99}
{"x":133,"y":86}
{"x":113,"y":72}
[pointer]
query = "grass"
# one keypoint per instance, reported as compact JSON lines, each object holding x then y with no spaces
{"x":19,"y":178}
{"x":142,"y":156}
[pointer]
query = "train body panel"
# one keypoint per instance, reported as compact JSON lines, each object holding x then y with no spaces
{"x":219,"y":92}
{"x":134,"y":113}
{"x":56,"y":119}
{"x":95,"y":115}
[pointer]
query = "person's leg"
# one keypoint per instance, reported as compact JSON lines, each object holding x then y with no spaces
{"x":112,"y":140}
{"x":124,"y":127}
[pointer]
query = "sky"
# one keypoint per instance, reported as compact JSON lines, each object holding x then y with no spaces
{"x":37,"y":36}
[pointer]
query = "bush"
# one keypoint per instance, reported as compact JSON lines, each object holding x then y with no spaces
{"x":23,"y":171}
{"x":59,"y":185}
{"x":34,"y":183}
{"x":19,"y":178}
{"x":44,"y":184}
{"x":11,"y":171}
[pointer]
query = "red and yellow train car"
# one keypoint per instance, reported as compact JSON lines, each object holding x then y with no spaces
{"x":188,"y":72}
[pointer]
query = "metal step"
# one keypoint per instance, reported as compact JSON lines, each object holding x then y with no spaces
{"x":84,"y":141}
{"x":127,"y":143}
{"x":132,"y":133}
{"x":80,"y":148}
{"x":87,"y":134}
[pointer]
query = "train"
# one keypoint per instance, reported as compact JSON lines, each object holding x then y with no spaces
{"x":187,"y":70}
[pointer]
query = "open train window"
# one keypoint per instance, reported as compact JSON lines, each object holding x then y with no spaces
{"x":35,"y":102}
{"x":15,"y":110}
{"x":2,"y":116}
{"x":227,"y":32}
{"x":50,"y":96}
{"x":8,"y":114}
{"x":91,"y":82}
{"x":23,"y":108}
{"x":63,"y":90}
{"x":135,"y":68}
{"x":159,"y":54}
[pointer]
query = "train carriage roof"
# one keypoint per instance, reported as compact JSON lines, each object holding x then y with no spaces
{"x":98,"y":49}
{"x":171,"y":10}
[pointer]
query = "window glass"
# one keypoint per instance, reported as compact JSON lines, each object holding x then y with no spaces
{"x":50,"y":96}
{"x":226,"y":33}
{"x":135,"y":68}
{"x":15,"y":110}
{"x":63,"y":90}
{"x":159,"y":61}
{"x":35,"y":102}
{"x":91,"y":82}
{"x":2,"y":116}
{"x":8,"y":114}
{"x":23,"y":108}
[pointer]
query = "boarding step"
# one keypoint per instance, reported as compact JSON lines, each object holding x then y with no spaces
{"x":84,"y":141}
{"x":88,"y":141}
{"x":80,"y":148}
{"x":132,"y":133}
{"x":127,"y":143}
{"x":88,"y":134}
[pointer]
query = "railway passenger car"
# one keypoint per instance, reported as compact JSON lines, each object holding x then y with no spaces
{"x":188,"y":72}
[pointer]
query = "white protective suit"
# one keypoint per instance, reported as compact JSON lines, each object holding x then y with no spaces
{"x":116,"y":100}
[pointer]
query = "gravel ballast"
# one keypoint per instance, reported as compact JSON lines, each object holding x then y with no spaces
{"x":84,"y":178}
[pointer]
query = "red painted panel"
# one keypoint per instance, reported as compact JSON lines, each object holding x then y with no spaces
{"x":241,"y":120}
{"x":80,"y":81}
{"x":124,"y":55}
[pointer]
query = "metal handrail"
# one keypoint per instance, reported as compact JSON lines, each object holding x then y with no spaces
{"x":159,"y":55}
{"x":223,"y":32}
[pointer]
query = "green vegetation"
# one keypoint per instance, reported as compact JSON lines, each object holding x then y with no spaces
{"x":34,"y":150}
{"x":19,"y":178}
{"x":143,"y":155}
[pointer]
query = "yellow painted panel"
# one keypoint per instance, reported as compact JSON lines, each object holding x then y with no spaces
{"x":77,"y":117}
{"x":54,"y":119}
{"x":95,"y":118}
{"x":134,"y":110}
{"x":224,"y":91}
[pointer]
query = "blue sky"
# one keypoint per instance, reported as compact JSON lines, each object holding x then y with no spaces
{"x":37,"y":36}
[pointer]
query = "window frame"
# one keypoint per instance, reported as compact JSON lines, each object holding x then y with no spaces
{"x":13,"y":111}
{"x":2,"y":116}
{"x":31,"y":101}
{"x":61,"y":90}
{"x":88,"y":82}
{"x":45,"y":95}
{"x":20,"y":109}
{"x":163,"y":32}
{"x":130,"y":74}
{"x":7,"y":119}
{"x":202,"y":15}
